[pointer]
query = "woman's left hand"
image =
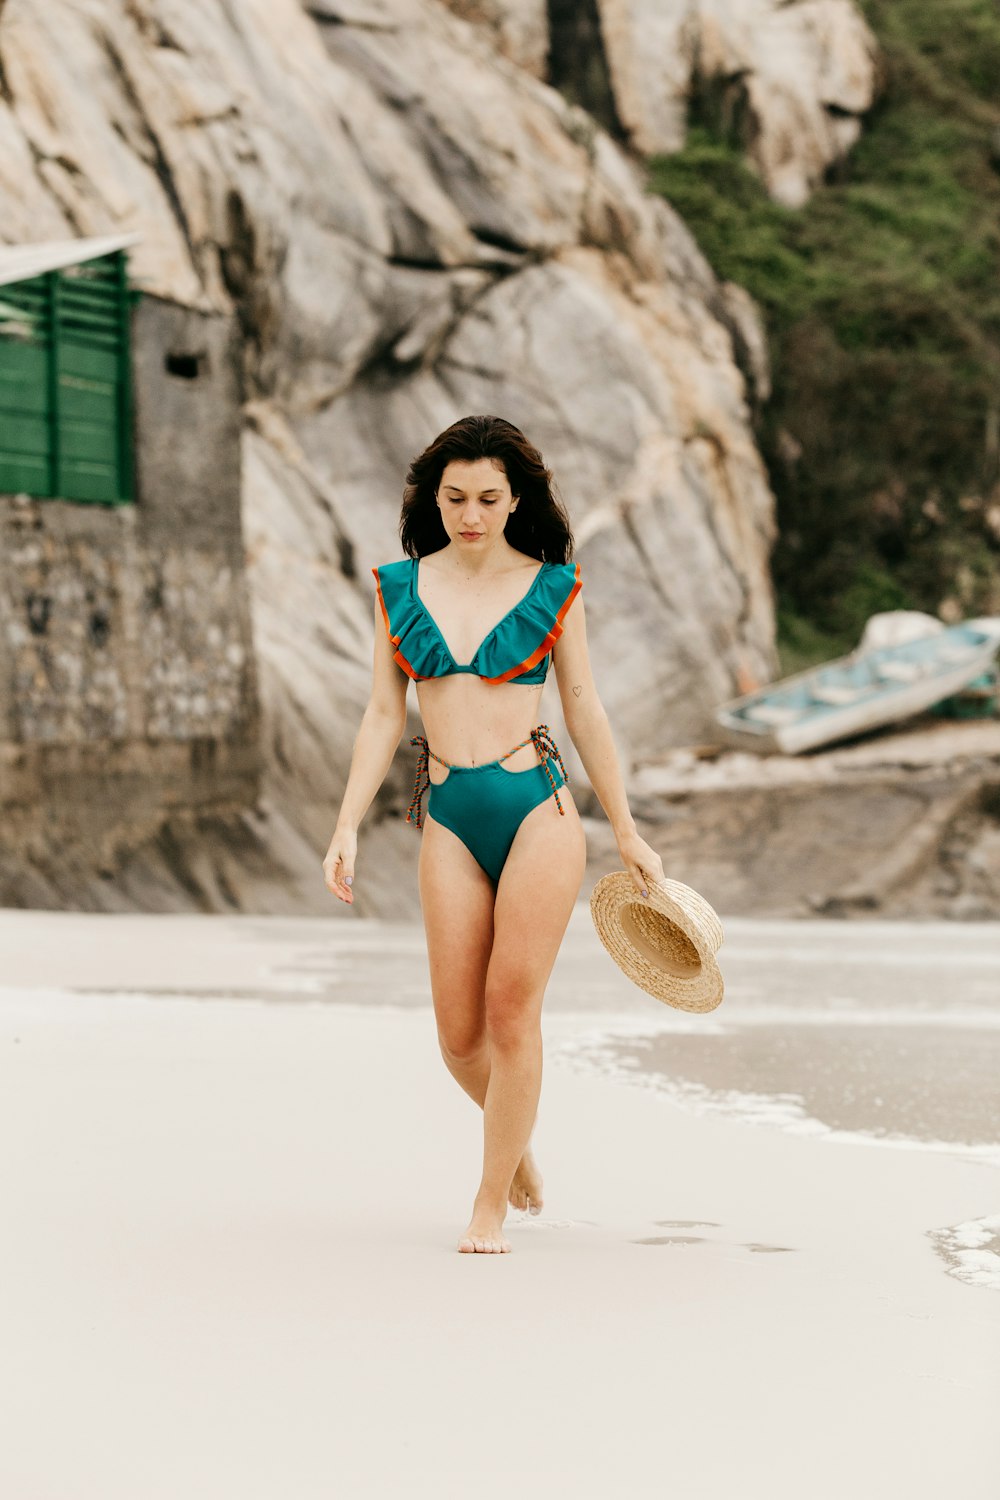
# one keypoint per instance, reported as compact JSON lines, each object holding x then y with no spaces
{"x":641,"y":862}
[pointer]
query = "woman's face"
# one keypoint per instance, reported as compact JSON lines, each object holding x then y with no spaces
{"x":474,"y":500}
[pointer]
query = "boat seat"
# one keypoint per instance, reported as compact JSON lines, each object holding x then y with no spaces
{"x":899,"y":671}
{"x":775,"y":713}
{"x":836,"y":696}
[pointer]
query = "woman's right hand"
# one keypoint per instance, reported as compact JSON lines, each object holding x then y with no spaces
{"x":338,"y":865}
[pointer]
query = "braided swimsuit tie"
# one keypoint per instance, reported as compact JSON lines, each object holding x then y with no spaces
{"x":547,"y":749}
{"x":539,"y":737}
{"x":414,"y":813}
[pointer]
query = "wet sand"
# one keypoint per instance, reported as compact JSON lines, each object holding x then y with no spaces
{"x":228,"y":1266}
{"x":926,"y":1083}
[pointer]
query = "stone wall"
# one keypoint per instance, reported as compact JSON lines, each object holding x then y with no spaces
{"x":127,"y":677}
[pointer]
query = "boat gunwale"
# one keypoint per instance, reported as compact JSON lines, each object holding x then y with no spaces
{"x":892,"y":701}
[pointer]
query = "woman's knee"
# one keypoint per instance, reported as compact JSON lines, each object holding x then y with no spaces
{"x":462,"y":1042}
{"x":512,"y":1014}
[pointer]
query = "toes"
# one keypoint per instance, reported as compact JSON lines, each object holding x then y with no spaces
{"x":484,"y":1244}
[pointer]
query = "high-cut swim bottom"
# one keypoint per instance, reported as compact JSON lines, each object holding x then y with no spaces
{"x":486,"y":805}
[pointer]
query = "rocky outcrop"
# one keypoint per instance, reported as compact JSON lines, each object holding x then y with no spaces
{"x":520,"y":28}
{"x":398,"y":254}
{"x":788,"y":79}
{"x":904,"y":823}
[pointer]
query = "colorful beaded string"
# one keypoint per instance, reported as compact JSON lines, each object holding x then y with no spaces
{"x":547,"y":749}
{"x":414,"y":813}
{"x":539,"y":737}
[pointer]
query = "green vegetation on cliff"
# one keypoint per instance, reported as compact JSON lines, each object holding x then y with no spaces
{"x":882,"y":303}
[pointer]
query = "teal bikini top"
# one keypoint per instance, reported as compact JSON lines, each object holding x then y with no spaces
{"x":517,"y":648}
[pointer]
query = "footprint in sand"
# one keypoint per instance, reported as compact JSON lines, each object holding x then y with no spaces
{"x":700,"y":1239}
{"x":686,"y":1224}
{"x":672,"y":1239}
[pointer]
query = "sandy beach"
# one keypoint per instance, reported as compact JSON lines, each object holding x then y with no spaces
{"x":229,"y":1265}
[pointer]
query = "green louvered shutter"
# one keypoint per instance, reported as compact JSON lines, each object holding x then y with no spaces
{"x":65,"y":383}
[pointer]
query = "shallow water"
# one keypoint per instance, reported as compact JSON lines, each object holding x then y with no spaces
{"x":933,"y":1082}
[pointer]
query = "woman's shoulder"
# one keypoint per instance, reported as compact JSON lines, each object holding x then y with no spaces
{"x":552,"y":568}
{"x":563,"y":571}
{"x":401,"y":568}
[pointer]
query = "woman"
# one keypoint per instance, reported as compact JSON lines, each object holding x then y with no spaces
{"x":473,"y":614}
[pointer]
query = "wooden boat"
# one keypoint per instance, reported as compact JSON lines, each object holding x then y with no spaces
{"x":864,"y":690}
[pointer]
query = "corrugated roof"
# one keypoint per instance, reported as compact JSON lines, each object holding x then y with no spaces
{"x":18,"y":262}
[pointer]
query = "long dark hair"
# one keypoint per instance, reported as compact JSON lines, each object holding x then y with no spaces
{"x":539,"y":526}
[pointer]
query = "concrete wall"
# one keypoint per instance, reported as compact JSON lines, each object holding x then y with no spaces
{"x":127,"y":680}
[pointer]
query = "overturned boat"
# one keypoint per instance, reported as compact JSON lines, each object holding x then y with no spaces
{"x":900,"y":667}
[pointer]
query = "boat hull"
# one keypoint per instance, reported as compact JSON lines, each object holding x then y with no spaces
{"x":759,"y":722}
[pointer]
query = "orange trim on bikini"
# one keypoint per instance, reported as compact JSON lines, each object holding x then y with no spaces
{"x":397,"y":656}
{"x":550,"y":639}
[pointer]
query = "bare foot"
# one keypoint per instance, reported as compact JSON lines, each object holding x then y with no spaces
{"x":526,"y":1185}
{"x":484,"y":1232}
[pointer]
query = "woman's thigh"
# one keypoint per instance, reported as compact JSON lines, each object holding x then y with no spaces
{"x":456,"y":898}
{"x":538,"y":887}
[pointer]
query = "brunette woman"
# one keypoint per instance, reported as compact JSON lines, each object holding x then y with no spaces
{"x":486,"y":596}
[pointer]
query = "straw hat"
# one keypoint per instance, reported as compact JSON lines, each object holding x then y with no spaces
{"x":664,"y":942}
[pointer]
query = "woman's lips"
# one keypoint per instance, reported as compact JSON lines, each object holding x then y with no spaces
{"x":470,"y":534}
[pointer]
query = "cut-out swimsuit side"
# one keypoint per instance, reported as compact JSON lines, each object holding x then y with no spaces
{"x":482,"y":805}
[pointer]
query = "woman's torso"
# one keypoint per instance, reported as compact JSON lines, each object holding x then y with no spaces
{"x":467,"y":720}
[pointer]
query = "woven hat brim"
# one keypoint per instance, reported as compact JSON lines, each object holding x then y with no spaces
{"x":665,"y":942}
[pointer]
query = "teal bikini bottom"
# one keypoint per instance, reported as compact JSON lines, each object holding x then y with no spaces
{"x":486,"y":805}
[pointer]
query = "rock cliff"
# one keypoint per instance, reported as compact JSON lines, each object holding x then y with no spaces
{"x":410,"y":226}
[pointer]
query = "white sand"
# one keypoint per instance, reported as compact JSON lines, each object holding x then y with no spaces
{"x":227,"y":1269}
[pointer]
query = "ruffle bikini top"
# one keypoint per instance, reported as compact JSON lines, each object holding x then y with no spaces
{"x":517,"y":648}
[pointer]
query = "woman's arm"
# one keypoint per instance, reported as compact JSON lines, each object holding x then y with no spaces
{"x":590,"y":732}
{"x":378,"y":735}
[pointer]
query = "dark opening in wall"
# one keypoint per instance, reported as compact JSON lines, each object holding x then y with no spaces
{"x":99,"y":627}
{"x":39,"y":608}
{"x":577,"y":65}
{"x":185,"y":366}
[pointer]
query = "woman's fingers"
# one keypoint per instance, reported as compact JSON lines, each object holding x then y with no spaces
{"x":338,"y":873}
{"x":641,"y":861}
{"x":646,"y":873}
